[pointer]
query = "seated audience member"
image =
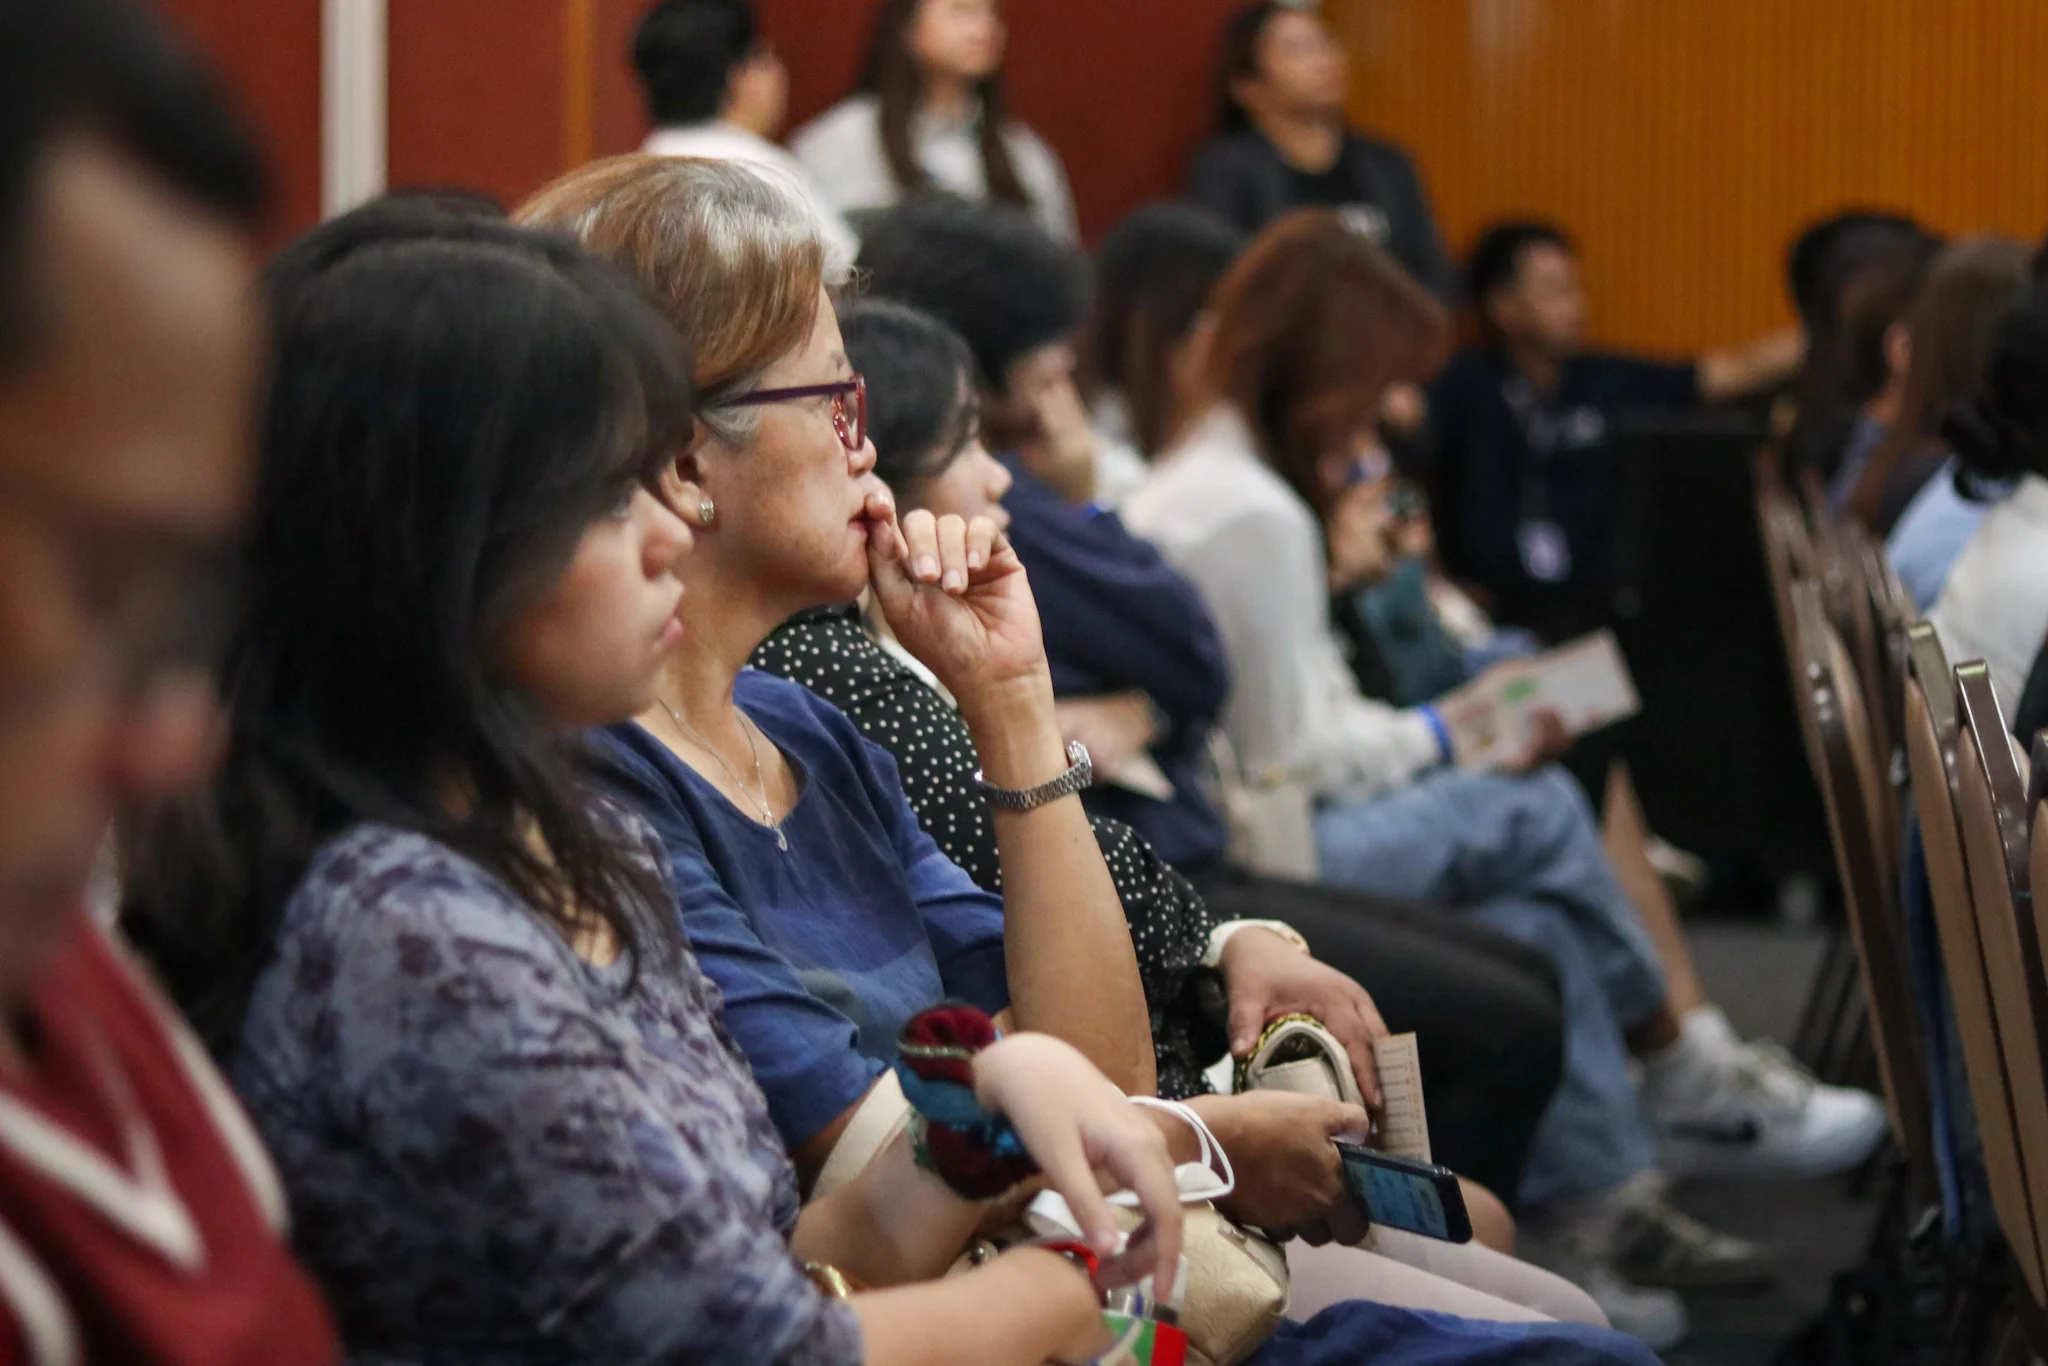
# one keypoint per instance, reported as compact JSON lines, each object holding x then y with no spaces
{"x":715,"y":88}
{"x":1307,"y":329}
{"x":819,"y":907}
{"x":1284,"y":144}
{"x":930,"y":114}
{"x":1994,"y":606}
{"x":1910,"y":495}
{"x":1946,"y":337}
{"x":1152,"y":281}
{"x":1485,"y":1006}
{"x":1877,"y":341}
{"x":447,"y":973}
{"x":1128,"y":640}
{"x":1817,"y":413}
{"x":140,"y":1220}
{"x":1525,"y":478}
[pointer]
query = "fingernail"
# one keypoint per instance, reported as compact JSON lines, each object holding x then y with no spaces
{"x":954,"y":581}
{"x":927,"y":567}
{"x":975,"y":560}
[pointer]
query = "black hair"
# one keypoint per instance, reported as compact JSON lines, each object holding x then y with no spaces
{"x":1497,"y":256}
{"x":2040,"y":264}
{"x":448,"y":412}
{"x":1240,"y":58}
{"x":1153,"y":278}
{"x":1810,"y":273}
{"x":988,"y":271}
{"x":109,"y":68}
{"x":685,"y":52}
{"x":1841,"y":360}
{"x":2002,"y":433}
{"x":922,"y":407}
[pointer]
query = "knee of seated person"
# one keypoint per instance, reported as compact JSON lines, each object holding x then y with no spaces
{"x":1492,"y":1226}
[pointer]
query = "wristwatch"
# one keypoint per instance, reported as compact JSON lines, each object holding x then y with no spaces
{"x":1079,"y":775}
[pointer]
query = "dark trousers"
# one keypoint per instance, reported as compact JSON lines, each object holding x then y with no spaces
{"x":1486,"y":1009}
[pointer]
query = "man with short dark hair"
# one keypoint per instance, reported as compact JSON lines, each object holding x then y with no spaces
{"x":716,"y":89}
{"x":1525,"y":474}
{"x":139,"y":1218}
{"x":1284,"y":143}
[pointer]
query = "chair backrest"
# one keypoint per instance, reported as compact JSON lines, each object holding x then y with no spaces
{"x":1859,"y":809}
{"x":1788,"y":549}
{"x":1992,"y":812}
{"x":1859,"y":619}
{"x":1896,"y":614}
{"x":1930,"y":731}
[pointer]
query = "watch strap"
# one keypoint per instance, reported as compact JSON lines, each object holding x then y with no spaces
{"x":1080,"y":773}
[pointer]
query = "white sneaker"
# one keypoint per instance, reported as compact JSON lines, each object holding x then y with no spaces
{"x":1722,"y":1107}
{"x":1576,"y":1239}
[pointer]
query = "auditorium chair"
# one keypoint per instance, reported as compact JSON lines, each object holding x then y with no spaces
{"x":2005,"y":1078}
{"x":1863,"y":821}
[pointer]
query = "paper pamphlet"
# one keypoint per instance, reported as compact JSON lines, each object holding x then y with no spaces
{"x":1586,"y":683}
{"x":1402,"y":1124}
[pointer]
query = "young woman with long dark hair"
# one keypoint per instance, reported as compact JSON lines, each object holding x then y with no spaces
{"x":930,"y":114}
{"x":445,"y":973}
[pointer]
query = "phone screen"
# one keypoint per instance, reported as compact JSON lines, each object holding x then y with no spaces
{"x":1399,"y":1199}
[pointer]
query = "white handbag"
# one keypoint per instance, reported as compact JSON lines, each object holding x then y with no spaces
{"x":1271,"y":817}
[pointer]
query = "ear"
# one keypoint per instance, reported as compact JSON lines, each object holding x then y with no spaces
{"x":1898,"y":348}
{"x":1335,"y":472}
{"x":1245,"y":90}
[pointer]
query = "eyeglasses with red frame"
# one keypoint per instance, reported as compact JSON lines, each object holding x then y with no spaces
{"x":849,"y":406}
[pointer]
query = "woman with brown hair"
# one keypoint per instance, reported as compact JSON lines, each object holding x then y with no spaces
{"x":1946,"y":336}
{"x":1278,"y":439}
{"x":930,"y":115}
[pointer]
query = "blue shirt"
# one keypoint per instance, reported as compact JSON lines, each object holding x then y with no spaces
{"x":1118,"y":618}
{"x":496,"y":1153}
{"x":1932,"y":532}
{"x":822,"y":951}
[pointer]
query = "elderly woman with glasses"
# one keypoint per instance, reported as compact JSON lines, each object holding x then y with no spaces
{"x":796,"y":852}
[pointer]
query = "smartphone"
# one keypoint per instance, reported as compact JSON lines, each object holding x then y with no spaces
{"x":1402,"y":1193}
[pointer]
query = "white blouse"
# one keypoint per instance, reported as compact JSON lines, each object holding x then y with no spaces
{"x":841,"y":152}
{"x":1254,"y":550}
{"x":1994,"y":606}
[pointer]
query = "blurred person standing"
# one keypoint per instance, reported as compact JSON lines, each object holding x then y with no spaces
{"x":715,"y":88}
{"x":930,"y":114}
{"x":140,"y":1220}
{"x":1525,"y":473}
{"x":1284,"y":144}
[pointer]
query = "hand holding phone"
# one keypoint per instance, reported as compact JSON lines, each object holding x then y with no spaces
{"x":1402,"y":1193}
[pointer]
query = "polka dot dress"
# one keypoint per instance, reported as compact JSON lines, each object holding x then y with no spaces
{"x":830,"y":652}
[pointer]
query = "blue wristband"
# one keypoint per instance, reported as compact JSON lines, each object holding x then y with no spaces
{"x":1441,"y":731}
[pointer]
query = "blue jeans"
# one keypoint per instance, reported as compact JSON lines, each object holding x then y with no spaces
{"x":1523,"y":856}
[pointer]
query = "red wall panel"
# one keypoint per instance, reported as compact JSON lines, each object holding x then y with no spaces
{"x":269,"y":55}
{"x":477,"y":94}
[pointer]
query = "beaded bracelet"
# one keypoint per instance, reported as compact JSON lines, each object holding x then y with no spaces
{"x":973,"y":1150}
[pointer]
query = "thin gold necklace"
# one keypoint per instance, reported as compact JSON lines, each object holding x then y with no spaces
{"x":760,"y":778}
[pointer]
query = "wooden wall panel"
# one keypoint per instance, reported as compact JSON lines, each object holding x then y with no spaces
{"x":1685,"y":141}
{"x":269,"y":56}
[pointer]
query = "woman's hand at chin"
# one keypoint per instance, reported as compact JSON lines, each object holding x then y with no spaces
{"x":956,"y":596}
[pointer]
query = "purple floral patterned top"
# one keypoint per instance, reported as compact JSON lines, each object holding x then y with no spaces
{"x":496,"y":1154}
